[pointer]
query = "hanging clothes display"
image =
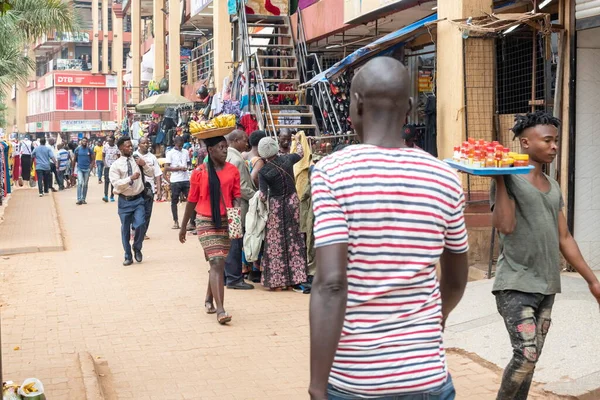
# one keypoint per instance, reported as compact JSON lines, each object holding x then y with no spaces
{"x":16,"y":155}
{"x":249,"y":122}
{"x":6,"y":166}
{"x":430,"y":140}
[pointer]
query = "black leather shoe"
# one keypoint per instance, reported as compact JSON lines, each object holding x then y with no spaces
{"x":127,"y":262}
{"x":138,"y":256}
{"x":241,"y":286}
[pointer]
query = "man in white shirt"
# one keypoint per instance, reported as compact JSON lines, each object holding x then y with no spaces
{"x":177,"y":164}
{"x":125,"y":176}
{"x":154,"y":182}
{"x":110,"y":153}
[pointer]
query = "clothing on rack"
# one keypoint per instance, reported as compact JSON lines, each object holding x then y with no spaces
{"x":290,"y":120}
{"x":249,"y":122}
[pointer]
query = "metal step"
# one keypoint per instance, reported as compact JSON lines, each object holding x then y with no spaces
{"x":270,"y":18}
{"x":286,"y":80}
{"x":301,"y":108}
{"x":269,"y":35}
{"x":289,"y":114}
{"x":267,"y":57}
{"x":300,"y":126}
{"x":274,"y":46}
{"x":277,"y":68}
{"x":267,"y":25}
{"x":284,"y":92}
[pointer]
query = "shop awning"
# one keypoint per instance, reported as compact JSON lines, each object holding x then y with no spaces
{"x":380,"y":45}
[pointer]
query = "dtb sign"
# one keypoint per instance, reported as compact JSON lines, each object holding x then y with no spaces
{"x":64,"y":80}
{"x":79,"y":80}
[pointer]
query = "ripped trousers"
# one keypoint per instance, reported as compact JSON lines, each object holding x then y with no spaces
{"x":527,"y":318}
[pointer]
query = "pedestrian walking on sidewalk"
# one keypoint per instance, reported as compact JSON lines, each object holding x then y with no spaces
{"x":125,"y":176}
{"x":154,"y":181}
{"x":99,"y":154}
{"x":25,"y":149}
{"x":384,"y":216}
{"x":177,"y":164}
{"x":238,"y":143}
{"x":82,"y":163}
{"x":63,"y":162}
{"x":110,"y":153}
{"x":527,"y":211}
{"x":44,"y":158}
{"x":51,"y":143}
{"x":215,"y":186}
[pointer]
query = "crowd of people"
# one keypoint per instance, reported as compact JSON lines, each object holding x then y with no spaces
{"x":370,"y":222}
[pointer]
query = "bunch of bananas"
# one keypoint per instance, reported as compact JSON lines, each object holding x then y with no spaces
{"x":222,"y":121}
{"x":29,"y":388}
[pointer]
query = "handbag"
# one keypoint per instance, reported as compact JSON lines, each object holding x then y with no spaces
{"x":148,"y":192}
{"x":234,"y":218}
{"x":234,"y":221}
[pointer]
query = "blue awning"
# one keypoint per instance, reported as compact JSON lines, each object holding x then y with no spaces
{"x":377,"y":47}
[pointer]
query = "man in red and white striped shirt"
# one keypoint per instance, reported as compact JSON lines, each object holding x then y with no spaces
{"x":384,"y":216}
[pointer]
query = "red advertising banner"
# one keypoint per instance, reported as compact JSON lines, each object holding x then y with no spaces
{"x":89,"y":99}
{"x":103,"y":101}
{"x":66,"y":79}
{"x":62,"y":98}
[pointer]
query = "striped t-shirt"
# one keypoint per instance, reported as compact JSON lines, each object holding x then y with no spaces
{"x":397,"y":209}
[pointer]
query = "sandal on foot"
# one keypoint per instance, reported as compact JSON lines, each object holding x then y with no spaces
{"x":223,"y":318}
{"x":209,"y":307}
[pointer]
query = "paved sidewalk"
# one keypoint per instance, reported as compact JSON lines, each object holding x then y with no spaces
{"x":147,"y":321}
{"x":31,"y":225}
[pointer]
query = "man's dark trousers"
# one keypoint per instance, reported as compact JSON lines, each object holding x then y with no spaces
{"x":233,"y":263}
{"x":148,"y":204}
{"x":132,"y":216}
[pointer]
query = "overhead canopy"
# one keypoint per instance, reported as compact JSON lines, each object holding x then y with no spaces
{"x":371,"y":50}
{"x":159,"y":102}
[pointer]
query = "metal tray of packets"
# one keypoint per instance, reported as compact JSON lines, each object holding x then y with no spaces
{"x":489,"y":171}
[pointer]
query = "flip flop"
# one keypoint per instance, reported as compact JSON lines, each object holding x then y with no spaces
{"x":209,"y":307}
{"x":223,"y":318}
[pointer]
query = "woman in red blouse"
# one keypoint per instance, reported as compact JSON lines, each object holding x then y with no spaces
{"x":214,"y":187}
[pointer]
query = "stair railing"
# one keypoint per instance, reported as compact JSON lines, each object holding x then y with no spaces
{"x":321,"y":90}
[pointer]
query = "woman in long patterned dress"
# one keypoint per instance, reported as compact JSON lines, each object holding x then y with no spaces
{"x":284,"y":257}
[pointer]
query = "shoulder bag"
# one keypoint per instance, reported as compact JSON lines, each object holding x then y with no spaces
{"x":148,"y":192}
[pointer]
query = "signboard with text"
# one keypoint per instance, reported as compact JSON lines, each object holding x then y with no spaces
{"x":65,"y":79}
{"x":93,"y":125}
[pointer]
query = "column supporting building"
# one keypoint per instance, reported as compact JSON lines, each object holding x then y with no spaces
{"x":136,"y":41}
{"x":222,"y":42}
{"x":450,"y":71}
{"x":174,"y":49}
{"x":159,"y":40}
{"x":117,"y":56}
{"x":105,"y":36}
{"x":95,"y":55}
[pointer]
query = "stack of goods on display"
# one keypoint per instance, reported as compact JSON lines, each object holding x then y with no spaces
{"x":218,"y":126}
{"x":340,"y":90}
{"x":479,"y":157}
{"x":30,"y":389}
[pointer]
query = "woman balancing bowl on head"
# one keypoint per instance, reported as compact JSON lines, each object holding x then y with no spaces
{"x":214,"y":187}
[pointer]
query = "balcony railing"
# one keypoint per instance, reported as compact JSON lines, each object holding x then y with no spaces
{"x":201,"y":65}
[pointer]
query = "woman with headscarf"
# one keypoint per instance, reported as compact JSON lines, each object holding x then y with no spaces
{"x":284,"y":257}
{"x":214,"y":187}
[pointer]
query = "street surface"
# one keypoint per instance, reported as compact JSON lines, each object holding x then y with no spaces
{"x":147,"y":321}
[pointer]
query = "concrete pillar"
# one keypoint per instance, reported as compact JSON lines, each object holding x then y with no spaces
{"x":174,"y":49}
{"x":159,"y":40}
{"x":136,"y":40}
{"x":95,"y":55}
{"x":21,"y":108}
{"x":450,"y":71}
{"x":222,"y":42}
{"x":105,"y":36}
{"x":117,"y":58}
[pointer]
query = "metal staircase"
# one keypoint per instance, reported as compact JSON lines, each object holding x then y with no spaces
{"x":321,"y":98}
{"x":267,"y":48}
